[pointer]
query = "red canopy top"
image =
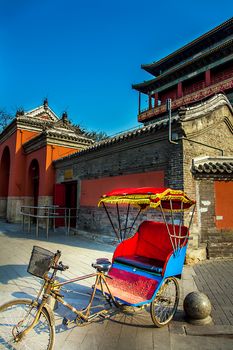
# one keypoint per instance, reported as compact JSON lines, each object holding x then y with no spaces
{"x":152,"y":197}
{"x":133,"y":190}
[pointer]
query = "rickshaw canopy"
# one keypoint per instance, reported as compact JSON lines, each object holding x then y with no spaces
{"x":149,"y":197}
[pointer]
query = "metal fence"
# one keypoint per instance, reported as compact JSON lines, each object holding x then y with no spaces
{"x":47,"y":216}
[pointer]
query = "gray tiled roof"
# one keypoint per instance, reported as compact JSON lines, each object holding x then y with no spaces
{"x":122,"y":137}
{"x":213,"y":167}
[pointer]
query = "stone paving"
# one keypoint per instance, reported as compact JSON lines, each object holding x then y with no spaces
{"x":122,"y":330}
{"x":215,"y":279}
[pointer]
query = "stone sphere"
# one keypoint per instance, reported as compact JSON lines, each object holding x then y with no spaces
{"x":197,"y":305}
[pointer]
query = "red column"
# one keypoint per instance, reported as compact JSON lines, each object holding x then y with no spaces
{"x":179,"y":90}
{"x":156,"y":97}
{"x":207,"y":77}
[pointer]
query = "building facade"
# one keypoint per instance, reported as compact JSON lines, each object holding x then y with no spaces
{"x":198,"y":158}
{"x":28,"y":147}
{"x":45,"y":160}
{"x":145,"y":157}
{"x":200,"y":69}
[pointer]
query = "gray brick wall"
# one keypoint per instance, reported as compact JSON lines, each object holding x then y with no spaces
{"x":151,"y":151}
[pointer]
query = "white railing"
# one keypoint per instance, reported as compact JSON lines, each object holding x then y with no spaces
{"x":47,"y":215}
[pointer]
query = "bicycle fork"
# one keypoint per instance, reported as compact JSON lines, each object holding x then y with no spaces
{"x":19,"y":336}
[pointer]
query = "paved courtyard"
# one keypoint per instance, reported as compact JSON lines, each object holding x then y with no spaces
{"x":215,"y":279}
{"x":121,"y":330}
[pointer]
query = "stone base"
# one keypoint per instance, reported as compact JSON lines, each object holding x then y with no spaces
{"x":94,"y":236}
{"x":10,"y":208}
{"x":204,"y":321}
{"x":194,"y":255}
{"x":14,"y":205}
{"x":45,"y":200}
{"x":3,"y":206}
{"x":194,"y":241}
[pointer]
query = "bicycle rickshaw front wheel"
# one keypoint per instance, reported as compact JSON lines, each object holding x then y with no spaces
{"x":163,"y":307}
{"x":15,"y":317}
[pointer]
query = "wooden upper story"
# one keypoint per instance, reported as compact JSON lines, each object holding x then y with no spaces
{"x":198,"y":70}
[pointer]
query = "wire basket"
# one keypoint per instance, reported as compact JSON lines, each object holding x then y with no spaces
{"x":40,"y":262}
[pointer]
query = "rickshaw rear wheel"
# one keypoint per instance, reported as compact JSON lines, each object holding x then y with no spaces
{"x":163,"y":307}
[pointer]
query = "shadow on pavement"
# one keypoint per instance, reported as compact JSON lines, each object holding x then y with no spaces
{"x":75,"y":294}
{"x":12,"y":272}
{"x":59,"y":236}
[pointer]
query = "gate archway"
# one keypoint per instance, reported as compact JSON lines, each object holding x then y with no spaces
{"x":4,"y":180}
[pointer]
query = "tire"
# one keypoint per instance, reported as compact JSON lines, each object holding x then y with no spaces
{"x":41,"y":337}
{"x":163,"y":307}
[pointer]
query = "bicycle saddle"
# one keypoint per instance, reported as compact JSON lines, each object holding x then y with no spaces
{"x":102,"y":265}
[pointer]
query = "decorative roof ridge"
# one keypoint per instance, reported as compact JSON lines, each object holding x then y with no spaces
{"x":66,"y":134}
{"x":34,"y":110}
{"x":33,"y":121}
{"x":123,"y":136}
{"x":56,"y":135}
{"x":40,"y":123}
{"x":38,"y":110}
{"x":207,"y":106}
{"x":64,"y":126}
{"x":188,"y":45}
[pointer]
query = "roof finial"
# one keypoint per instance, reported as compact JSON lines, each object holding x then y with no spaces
{"x":64,"y":117}
{"x":19,"y":112}
{"x":46,"y":103}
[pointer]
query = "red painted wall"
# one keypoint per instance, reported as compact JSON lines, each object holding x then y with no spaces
{"x":19,"y":184}
{"x":224,"y":204}
{"x":40,"y":156}
{"x":53,"y":152}
{"x":45,"y":156}
{"x":10,"y":144}
{"x":17,"y":178}
{"x":91,"y":190}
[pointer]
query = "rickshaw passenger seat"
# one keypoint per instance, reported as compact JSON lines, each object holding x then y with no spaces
{"x":150,"y":247}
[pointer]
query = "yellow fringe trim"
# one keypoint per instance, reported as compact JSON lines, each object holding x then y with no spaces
{"x":140,"y":200}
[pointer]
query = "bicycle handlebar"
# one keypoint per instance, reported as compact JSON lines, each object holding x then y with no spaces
{"x":60,"y":267}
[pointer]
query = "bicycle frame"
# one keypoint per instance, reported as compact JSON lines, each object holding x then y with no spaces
{"x":52,"y":286}
{"x":85,"y":315}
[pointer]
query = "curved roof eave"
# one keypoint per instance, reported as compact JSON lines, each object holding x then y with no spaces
{"x":150,"y":67}
{"x":141,"y":86}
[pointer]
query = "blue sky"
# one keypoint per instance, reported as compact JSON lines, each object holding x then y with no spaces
{"x":85,"y":55}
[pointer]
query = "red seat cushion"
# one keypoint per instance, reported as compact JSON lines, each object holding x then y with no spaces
{"x":130,"y":287}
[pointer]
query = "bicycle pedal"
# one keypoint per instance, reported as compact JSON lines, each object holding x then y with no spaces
{"x":104,"y":315}
{"x":66,"y":321}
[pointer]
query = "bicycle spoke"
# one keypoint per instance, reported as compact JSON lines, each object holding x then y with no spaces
{"x":165,"y":304}
{"x":17,"y":316}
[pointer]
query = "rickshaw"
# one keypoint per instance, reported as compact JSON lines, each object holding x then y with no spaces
{"x":143,"y":272}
